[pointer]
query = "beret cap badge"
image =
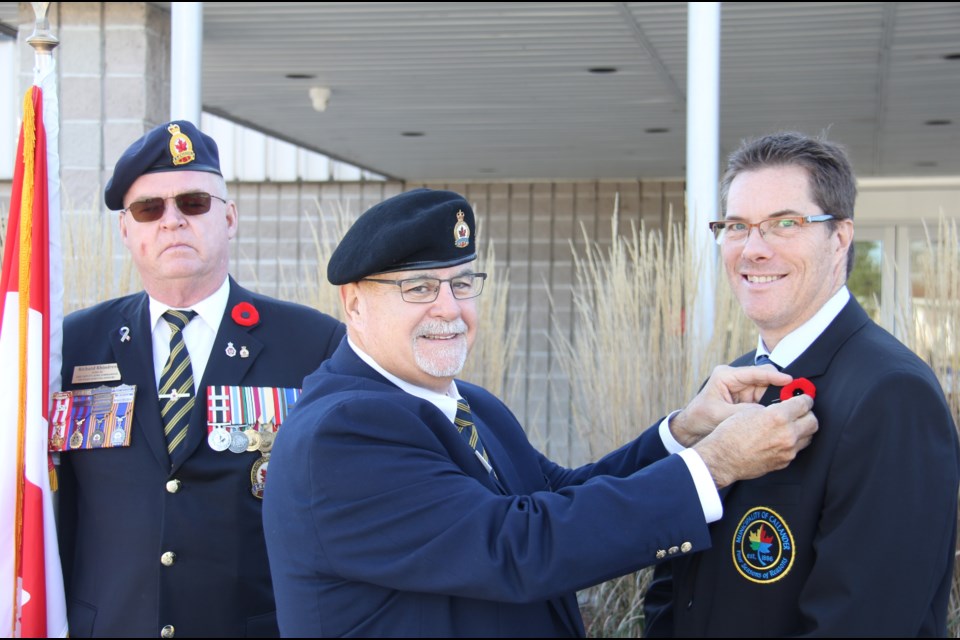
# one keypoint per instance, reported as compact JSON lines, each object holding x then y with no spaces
{"x":461,"y":232}
{"x":181,"y":147}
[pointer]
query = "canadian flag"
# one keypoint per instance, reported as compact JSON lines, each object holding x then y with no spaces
{"x":31,"y":583}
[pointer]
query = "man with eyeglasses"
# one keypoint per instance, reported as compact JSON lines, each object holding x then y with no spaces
{"x":857,"y":536}
{"x":405,"y":503}
{"x":160,"y":525}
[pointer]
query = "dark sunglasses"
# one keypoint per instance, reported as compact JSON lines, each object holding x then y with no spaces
{"x":190,"y":204}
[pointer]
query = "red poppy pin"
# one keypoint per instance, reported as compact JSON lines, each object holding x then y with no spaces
{"x":798,"y":387}
{"x":245,"y":314}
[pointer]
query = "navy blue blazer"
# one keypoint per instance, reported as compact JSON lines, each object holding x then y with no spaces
{"x":870,"y":508}
{"x":117,"y":514}
{"x":380,"y":520}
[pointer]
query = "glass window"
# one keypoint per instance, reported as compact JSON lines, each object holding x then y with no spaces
{"x":865,"y":279}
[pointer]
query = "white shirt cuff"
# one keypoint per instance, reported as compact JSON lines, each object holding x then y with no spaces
{"x":669,"y":442}
{"x":703,"y":481}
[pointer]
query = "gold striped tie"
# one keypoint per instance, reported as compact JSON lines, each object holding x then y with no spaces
{"x":464,"y":422}
{"x":176,"y":382}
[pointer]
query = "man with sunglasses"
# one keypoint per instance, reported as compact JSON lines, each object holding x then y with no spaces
{"x":160,"y":528}
{"x":857,"y":536}
{"x":405,"y":503}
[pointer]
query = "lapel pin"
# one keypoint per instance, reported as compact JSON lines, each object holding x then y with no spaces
{"x":231,"y":350}
{"x":124,"y":334}
{"x":243,"y":352}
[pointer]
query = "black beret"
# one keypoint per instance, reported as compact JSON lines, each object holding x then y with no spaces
{"x":419,"y":229}
{"x":174,"y":146}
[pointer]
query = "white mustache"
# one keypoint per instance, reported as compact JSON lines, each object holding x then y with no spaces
{"x":439,"y":327}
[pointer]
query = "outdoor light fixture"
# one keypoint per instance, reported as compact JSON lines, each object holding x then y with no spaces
{"x":320,"y":96}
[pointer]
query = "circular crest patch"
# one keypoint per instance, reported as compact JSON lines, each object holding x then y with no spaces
{"x":762,"y":546}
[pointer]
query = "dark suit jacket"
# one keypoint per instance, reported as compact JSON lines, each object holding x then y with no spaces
{"x":380,"y":521}
{"x":117,"y":515}
{"x":871,"y":506}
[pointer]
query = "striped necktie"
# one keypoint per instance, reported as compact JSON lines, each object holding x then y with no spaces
{"x":464,"y":422}
{"x":176,"y":383}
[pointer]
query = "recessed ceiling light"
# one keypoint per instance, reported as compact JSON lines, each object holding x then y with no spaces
{"x":413,"y":134}
{"x":656,"y":130}
{"x":938,"y":122}
{"x":602,"y":70}
{"x":952,"y":56}
{"x":926,"y":163}
{"x":301,"y":76}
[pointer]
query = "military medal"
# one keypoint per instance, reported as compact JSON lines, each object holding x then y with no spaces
{"x":96,"y":438}
{"x":76,"y":440}
{"x":238,"y":441}
{"x":119,"y":435}
{"x":219,"y":438}
{"x":266,"y":441}
{"x":258,"y":475}
{"x":254,"y":437}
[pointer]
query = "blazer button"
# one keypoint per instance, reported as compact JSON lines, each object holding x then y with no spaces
{"x":661,"y":554}
{"x":686,"y":547}
{"x":673,"y":550}
{"x":167,"y":631}
{"x":167,"y":560}
{"x":173,"y":486}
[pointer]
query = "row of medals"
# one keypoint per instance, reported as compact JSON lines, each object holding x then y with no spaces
{"x":239,"y":440}
{"x":97,"y":437}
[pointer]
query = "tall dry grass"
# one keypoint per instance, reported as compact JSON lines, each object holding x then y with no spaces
{"x":633,"y":360}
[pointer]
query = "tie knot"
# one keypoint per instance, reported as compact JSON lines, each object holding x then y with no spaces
{"x":763,"y":358}
{"x":178,"y":319}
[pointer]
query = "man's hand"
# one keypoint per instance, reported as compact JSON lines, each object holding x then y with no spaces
{"x":758,"y":440}
{"x":722,"y":396}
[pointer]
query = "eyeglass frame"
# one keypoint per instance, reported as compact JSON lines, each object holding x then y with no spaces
{"x":137,"y":216}
{"x":805,"y":220}
{"x":440,"y":281}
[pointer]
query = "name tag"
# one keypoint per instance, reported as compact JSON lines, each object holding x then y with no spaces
{"x":96,"y":373}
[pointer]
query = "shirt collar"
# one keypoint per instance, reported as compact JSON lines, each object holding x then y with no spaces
{"x":210,"y":309}
{"x":797,"y":341}
{"x":447,"y":403}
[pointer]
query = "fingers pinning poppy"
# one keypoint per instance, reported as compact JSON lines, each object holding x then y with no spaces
{"x":245,"y":314}
{"x":798,"y":387}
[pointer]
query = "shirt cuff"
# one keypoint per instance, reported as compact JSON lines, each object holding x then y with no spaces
{"x":703,"y":481}
{"x":669,"y":442}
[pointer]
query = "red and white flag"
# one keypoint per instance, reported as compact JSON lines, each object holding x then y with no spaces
{"x":31,"y":316}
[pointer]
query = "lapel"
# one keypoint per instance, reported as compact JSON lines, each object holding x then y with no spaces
{"x":221,"y":368}
{"x":813,"y":362}
{"x":135,"y":359}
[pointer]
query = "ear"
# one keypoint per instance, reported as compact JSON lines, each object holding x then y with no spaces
{"x":844,"y":231}
{"x":122,"y":219}
{"x":233,"y":219}
{"x":351,"y":302}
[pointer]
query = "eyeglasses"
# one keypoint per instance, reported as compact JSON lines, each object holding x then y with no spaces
{"x":194,"y":203}
{"x":772,"y":229}
{"x":468,"y":285}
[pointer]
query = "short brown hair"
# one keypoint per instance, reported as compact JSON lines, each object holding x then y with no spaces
{"x":833,"y":185}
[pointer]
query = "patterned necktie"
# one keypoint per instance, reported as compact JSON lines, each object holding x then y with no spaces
{"x":464,"y":422}
{"x":176,"y":382}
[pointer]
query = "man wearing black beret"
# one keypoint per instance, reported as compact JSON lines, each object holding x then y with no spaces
{"x":403,"y":502}
{"x":160,"y":527}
